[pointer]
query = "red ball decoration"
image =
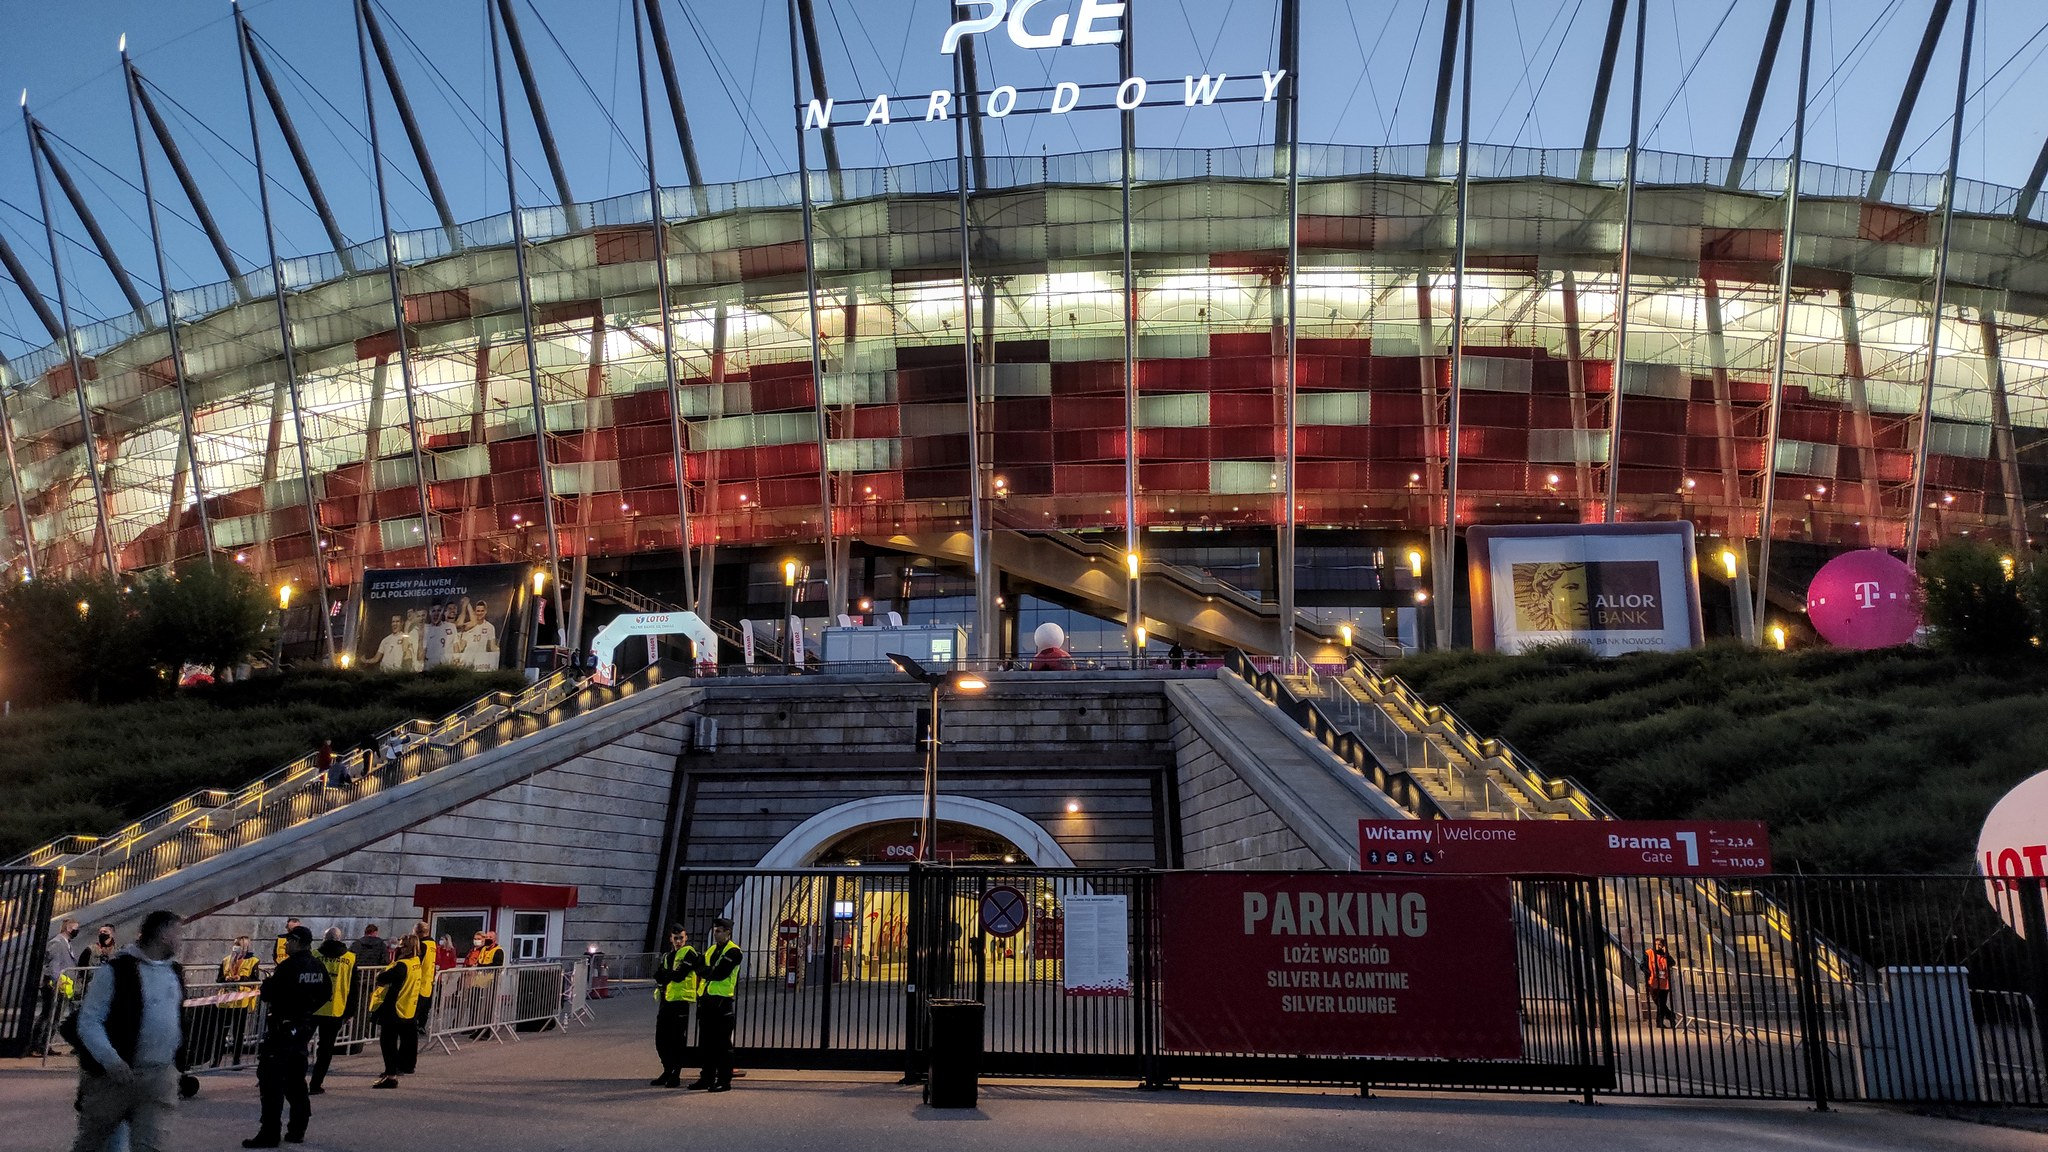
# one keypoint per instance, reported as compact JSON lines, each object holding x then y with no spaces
{"x":1866,"y":599}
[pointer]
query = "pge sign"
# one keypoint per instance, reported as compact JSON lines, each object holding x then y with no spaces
{"x":1091,"y":25}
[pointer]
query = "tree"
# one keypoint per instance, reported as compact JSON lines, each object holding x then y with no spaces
{"x":203,"y":615}
{"x":1973,"y":601}
{"x":77,"y":638}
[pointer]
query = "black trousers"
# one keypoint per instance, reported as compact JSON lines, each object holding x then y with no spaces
{"x":420,"y":1014}
{"x":46,"y":1016}
{"x":399,"y":1040}
{"x":1661,"y":997}
{"x":672,"y":1034}
{"x":281,"y":1076}
{"x":714,"y":1036}
{"x":330,"y":1029}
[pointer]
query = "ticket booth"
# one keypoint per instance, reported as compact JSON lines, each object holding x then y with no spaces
{"x":526,"y":917}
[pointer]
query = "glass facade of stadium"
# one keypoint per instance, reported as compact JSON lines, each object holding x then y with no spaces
{"x":883,"y":435}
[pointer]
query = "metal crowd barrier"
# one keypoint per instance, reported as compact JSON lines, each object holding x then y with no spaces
{"x":224,"y":1023}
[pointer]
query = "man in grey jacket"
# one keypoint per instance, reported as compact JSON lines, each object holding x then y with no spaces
{"x":130,"y":1030}
{"x":58,"y":959}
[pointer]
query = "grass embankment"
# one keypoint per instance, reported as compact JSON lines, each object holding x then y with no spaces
{"x":76,"y":768}
{"x":1860,"y":762}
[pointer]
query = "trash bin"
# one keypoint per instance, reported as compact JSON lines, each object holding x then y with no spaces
{"x":955,"y":1075}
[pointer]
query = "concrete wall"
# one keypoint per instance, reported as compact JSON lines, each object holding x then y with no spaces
{"x":1033,"y":745}
{"x":596,"y":822}
{"x":1223,"y":823}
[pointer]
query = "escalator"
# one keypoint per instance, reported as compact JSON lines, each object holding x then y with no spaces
{"x":1180,"y":603}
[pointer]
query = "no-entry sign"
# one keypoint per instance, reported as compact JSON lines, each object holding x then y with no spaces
{"x":1566,"y":847}
{"x":1004,"y":911}
{"x":1337,"y":964}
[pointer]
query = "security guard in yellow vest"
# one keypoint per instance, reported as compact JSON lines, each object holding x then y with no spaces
{"x":394,"y":1006}
{"x":429,"y":967}
{"x":720,"y":970}
{"x":676,"y":987}
{"x":334,"y":955}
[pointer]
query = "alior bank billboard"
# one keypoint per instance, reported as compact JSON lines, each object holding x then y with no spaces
{"x":1616,"y":588}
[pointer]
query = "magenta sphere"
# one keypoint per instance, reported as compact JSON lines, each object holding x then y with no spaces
{"x":1867,"y":599}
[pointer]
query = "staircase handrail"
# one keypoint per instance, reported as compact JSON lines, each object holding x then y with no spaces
{"x":124,"y":856}
{"x":1565,"y":790}
{"x":1401,"y":787}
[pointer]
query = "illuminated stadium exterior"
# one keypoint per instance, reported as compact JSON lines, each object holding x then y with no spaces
{"x":883,"y":447}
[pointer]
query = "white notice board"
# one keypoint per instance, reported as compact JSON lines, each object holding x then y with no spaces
{"x":1098,"y":945}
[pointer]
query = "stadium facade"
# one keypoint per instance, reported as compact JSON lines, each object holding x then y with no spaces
{"x":928,"y":407}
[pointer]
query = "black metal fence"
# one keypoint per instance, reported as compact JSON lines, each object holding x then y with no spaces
{"x":26,"y":896}
{"x":1894,"y":988}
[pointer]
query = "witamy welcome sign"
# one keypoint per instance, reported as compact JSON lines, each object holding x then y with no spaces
{"x":1092,"y":22}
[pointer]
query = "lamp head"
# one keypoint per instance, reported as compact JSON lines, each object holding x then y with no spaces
{"x":910,"y":668}
{"x":969,"y":682}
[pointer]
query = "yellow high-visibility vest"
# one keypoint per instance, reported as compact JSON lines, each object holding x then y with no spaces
{"x":731,"y":983}
{"x":342,"y":970}
{"x":408,"y":991}
{"x":690,"y":985}
{"x":423,"y":975}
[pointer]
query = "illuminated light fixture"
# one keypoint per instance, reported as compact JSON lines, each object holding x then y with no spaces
{"x":1421,"y":597}
{"x":1691,"y":483}
{"x":347,"y":659}
{"x":1729,"y":564}
{"x":2005,"y":564}
{"x":1344,"y":632}
{"x":1415,"y":563}
{"x":1820,"y":489}
{"x":1948,"y":498}
{"x":789,"y":573}
{"x":1778,"y":637}
{"x":1001,"y":483}
{"x":1553,"y":479}
{"x":867,"y":605}
{"x":284,"y":596}
{"x":1131,"y":563}
{"x":241,"y":557}
{"x":1141,"y":634}
{"x":967,"y":682}
{"x":84,"y":608}
{"x":1073,"y":807}
{"x":540,"y":580}
{"x":743,"y":497}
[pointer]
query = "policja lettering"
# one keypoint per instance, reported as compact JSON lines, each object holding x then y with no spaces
{"x":1336,"y":914}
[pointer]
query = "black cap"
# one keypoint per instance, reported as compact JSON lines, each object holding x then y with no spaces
{"x":302,"y":934}
{"x":722,"y":922}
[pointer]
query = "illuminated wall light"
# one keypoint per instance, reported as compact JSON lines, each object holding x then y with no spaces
{"x":1778,"y":637}
{"x":1073,"y":807}
{"x":1415,"y":563}
{"x":1729,"y":563}
{"x":1344,"y":632}
{"x":1131,"y":563}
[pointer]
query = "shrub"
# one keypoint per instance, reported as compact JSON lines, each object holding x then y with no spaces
{"x":1972,"y":602}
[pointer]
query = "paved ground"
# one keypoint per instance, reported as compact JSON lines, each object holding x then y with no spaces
{"x":585,"y":1090}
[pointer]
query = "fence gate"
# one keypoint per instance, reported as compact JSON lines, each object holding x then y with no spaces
{"x":25,"y":910}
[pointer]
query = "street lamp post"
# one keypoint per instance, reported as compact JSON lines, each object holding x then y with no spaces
{"x":938,"y":682}
{"x":789,"y":626}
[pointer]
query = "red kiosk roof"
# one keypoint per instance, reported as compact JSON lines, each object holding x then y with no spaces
{"x":493,"y":894}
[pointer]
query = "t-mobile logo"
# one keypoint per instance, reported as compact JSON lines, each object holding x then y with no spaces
{"x":1866,"y":593}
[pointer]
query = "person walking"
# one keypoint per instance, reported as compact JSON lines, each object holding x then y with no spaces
{"x":393,"y":1007}
{"x":1657,"y":977}
{"x":329,"y":1017}
{"x":58,"y":960}
{"x":132,"y":1042}
{"x":676,"y":987}
{"x":295,"y":991}
{"x":719,"y":969}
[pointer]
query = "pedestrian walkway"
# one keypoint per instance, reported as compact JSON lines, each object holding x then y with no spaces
{"x":587,"y":1088}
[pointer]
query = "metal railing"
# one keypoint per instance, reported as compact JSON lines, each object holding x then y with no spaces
{"x":1400,"y":786}
{"x":1435,"y":721}
{"x":212,"y":821}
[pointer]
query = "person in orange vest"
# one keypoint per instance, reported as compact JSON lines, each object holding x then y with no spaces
{"x":1657,"y":977}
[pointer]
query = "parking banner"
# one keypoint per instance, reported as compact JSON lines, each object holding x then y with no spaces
{"x":1339,"y":964}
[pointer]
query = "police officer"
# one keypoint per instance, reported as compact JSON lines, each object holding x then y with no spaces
{"x":719,"y":968}
{"x":295,"y":991}
{"x":676,"y":987}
